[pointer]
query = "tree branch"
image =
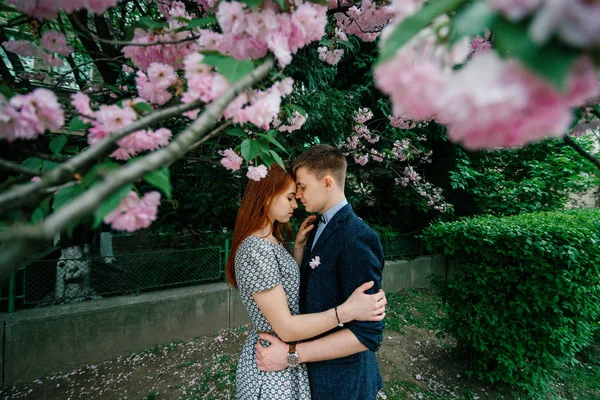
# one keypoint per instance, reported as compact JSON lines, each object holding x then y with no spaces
{"x":14,"y":167}
{"x":567,"y":139}
{"x":19,"y":241}
{"x":30,"y":192}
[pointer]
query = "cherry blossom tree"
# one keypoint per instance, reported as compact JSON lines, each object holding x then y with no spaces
{"x":496,"y":73}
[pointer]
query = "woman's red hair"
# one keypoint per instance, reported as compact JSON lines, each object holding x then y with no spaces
{"x":253,"y":211}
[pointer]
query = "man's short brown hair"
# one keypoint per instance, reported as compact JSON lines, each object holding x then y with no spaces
{"x":323,"y":159}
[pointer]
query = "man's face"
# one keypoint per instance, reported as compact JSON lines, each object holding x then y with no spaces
{"x":311,"y":191}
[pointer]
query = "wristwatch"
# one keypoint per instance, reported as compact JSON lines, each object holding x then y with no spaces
{"x":293,"y":359}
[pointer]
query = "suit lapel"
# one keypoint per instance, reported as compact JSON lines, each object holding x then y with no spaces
{"x":333,"y":225}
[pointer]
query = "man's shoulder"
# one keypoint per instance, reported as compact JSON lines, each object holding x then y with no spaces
{"x":359,"y":228}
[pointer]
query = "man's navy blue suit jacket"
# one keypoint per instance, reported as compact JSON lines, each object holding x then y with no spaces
{"x":351,"y":254}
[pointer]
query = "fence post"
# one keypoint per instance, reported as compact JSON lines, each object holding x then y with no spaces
{"x":11,"y":292}
{"x":225,"y":259}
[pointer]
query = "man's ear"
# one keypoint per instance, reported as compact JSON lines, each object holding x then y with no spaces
{"x":329,"y":183}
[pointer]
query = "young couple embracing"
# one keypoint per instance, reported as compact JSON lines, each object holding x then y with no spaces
{"x":317,"y":311}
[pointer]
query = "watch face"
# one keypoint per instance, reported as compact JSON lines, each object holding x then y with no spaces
{"x":293,"y":360}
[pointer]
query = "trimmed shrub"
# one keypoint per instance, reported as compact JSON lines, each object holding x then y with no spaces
{"x":524,"y":296}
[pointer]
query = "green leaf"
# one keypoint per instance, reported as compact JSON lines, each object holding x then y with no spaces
{"x":229,"y":67}
{"x":58,"y":143}
{"x":77,"y":125}
{"x":33,"y":163}
{"x":250,"y":149}
{"x":551,"y":61}
{"x":6,"y":91}
{"x":161,"y":179}
{"x":71,"y":149}
{"x":4,"y":7}
{"x":110,"y":203}
{"x":299,"y":109}
{"x":346,"y":44}
{"x":277,"y":159}
{"x":325,"y":41}
{"x":48,"y":165}
{"x":473,"y":20}
{"x":183,"y":19}
{"x":237,"y":132}
{"x":150,"y":23}
{"x":412,"y":25}
{"x":281,"y":4}
{"x":143,"y":107}
{"x":253,"y":3}
{"x":321,"y":2}
{"x":234,"y":70}
{"x":273,"y":140}
{"x":63,"y":196}
{"x":201,"y":22}
{"x":37,"y":215}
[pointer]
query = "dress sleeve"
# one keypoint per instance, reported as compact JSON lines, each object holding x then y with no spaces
{"x":256,"y":266}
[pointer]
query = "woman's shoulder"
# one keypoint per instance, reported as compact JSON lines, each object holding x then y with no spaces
{"x":256,"y":243}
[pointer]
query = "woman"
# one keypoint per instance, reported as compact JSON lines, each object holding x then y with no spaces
{"x":268,"y":279}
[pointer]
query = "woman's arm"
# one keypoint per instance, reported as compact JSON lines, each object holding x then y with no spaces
{"x":290,"y":328}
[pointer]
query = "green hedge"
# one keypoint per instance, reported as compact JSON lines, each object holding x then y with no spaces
{"x":524,"y":296}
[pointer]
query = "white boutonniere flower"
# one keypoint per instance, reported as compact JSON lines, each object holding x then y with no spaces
{"x":315,"y":262}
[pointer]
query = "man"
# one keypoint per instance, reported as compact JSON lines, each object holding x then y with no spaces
{"x":340,"y":255}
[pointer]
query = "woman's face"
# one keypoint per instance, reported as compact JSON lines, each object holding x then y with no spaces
{"x":283,"y":205}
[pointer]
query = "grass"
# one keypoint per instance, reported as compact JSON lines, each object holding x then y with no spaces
{"x":421,"y":308}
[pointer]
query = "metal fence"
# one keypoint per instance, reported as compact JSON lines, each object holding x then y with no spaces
{"x":45,"y":282}
{"x":402,"y":246}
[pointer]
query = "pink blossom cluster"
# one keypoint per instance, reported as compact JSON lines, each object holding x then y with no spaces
{"x":251,"y":33}
{"x":573,"y":21}
{"x":28,"y":116}
{"x":432,"y":195}
{"x":294,"y":123}
{"x":52,"y":42}
{"x":133,"y":212}
{"x":259,"y":107}
{"x":257,"y":173}
{"x":56,"y":42}
{"x":154,"y":86}
{"x":203,"y":82}
{"x":401,"y":122}
{"x":331,"y":57}
{"x":170,"y":54}
{"x":365,"y":22}
{"x":141,"y":140}
{"x":480,"y":44}
{"x":231,"y":160}
{"x":24,"y":48}
{"x":363,"y":115}
{"x":489,"y":102}
{"x":48,"y":9}
{"x":109,"y":119}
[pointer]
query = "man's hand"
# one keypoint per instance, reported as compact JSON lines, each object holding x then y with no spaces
{"x":274,"y":357}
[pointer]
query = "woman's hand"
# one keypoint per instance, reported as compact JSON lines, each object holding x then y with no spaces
{"x":363,"y":307}
{"x":306,"y":226}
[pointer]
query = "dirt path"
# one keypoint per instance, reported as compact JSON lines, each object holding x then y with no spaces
{"x":412,"y":363}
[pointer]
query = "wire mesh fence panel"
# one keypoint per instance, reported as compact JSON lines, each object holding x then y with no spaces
{"x":48,"y":282}
{"x":39,"y":281}
{"x":407,"y":245}
{"x":142,"y":271}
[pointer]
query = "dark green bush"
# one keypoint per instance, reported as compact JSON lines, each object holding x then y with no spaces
{"x":524,"y":296}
